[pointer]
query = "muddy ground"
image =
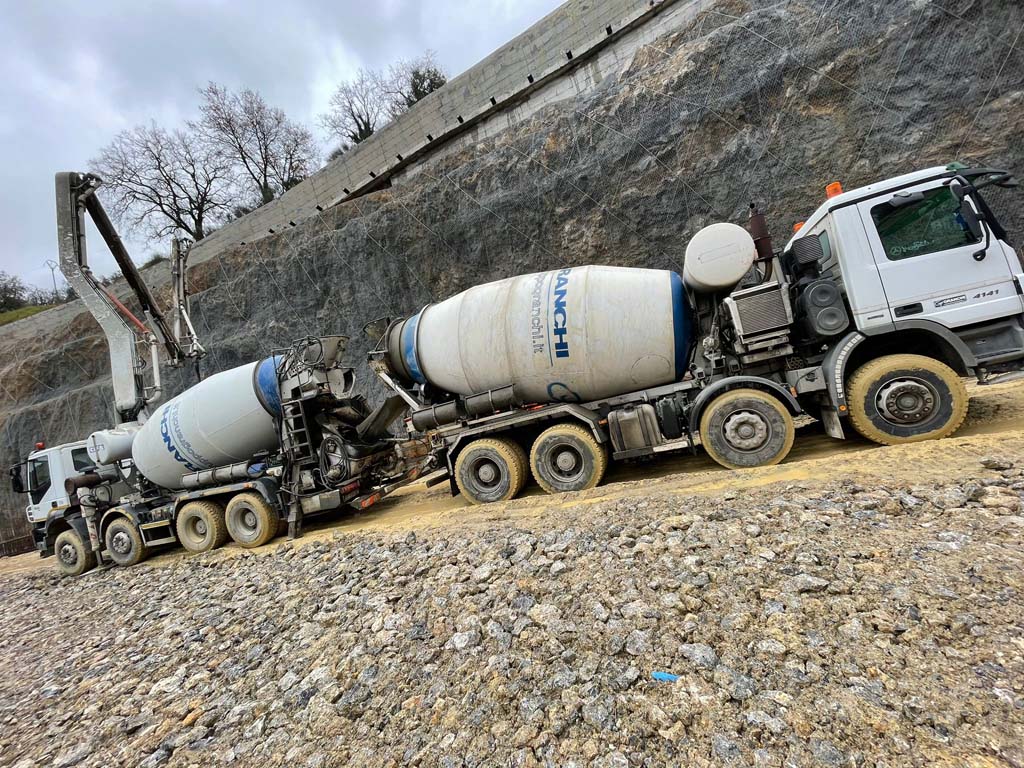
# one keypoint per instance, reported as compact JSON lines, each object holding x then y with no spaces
{"x":855,"y":606}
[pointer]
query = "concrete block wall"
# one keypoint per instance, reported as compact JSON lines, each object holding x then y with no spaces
{"x":552,"y":50}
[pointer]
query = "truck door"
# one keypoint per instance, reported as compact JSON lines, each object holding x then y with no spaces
{"x":932,"y":266}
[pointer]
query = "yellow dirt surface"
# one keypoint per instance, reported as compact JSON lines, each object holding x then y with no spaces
{"x":995,"y":423}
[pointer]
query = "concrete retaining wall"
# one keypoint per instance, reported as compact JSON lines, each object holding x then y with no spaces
{"x":552,"y":52}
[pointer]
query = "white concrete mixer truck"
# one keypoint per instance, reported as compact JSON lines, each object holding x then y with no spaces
{"x":869,"y":318}
{"x":240,"y":455}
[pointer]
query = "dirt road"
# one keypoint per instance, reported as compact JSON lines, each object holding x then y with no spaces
{"x":995,"y":422}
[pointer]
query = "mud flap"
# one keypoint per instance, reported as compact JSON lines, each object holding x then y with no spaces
{"x":833,"y":424}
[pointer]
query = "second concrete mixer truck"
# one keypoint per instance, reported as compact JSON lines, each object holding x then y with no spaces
{"x":869,"y":318}
{"x":240,"y":455}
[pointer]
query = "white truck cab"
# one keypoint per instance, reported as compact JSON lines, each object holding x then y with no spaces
{"x":43,"y":476}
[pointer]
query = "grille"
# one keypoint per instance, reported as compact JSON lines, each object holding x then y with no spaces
{"x":761,"y":309}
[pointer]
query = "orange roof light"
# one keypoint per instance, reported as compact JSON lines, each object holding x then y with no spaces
{"x":833,"y":189}
{"x":798,"y":226}
{"x":40,"y":445}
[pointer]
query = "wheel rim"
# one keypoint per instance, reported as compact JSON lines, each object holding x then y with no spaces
{"x":907,"y":400}
{"x":249,"y":522}
{"x":196,"y":529}
{"x":68,"y":554}
{"x":746,"y":430}
{"x":565,"y":462}
{"x":121,"y":543}
{"x":486,"y":473}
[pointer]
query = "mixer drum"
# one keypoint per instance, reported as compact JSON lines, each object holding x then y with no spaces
{"x":221,"y":420}
{"x":571,"y":335}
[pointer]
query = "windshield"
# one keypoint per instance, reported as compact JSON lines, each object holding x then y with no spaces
{"x":38,"y":478}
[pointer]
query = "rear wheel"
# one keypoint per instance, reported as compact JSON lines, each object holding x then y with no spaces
{"x":746,"y":428}
{"x":201,"y":526}
{"x":251,"y":520}
{"x":491,"y":469}
{"x":906,"y":398}
{"x":124,"y":542}
{"x":73,"y":555}
{"x":566,"y":457}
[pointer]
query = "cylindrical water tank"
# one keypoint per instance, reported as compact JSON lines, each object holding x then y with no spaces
{"x":570,"y":335}
{"x":108,"y":446}
{"x":718,"y":257}
{"x":222,"y":420}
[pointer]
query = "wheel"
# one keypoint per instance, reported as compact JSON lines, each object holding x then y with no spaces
{"x":73,"y":555}
{"x":251,"y":520}
{"x":566,"y":457}
{"x":906,"y":398}
{"x":746,"y":428}
{"x":490,"y":469}
{"x":201,"y":526}
{"x":124,"y":542}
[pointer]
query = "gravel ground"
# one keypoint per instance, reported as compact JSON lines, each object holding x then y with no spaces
{"x":837,"y":625}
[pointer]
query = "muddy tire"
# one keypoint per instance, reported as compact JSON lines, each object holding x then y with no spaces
{"x":746,"y":428}
{"x":201,"y":526}
{"x":490,"y":469}
{"x":905,"y":399}
{"x":73,"y":555}
{"x":124,"y":543}
{"x":566,"y":457}
{"x":251,"y":520}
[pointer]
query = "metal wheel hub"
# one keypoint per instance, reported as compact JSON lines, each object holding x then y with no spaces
{"x":68,"y":554}
{"x":199,"y":527}
{"x":746,"y":430}
{"x":249,"y":519}
{"x":906,"y":401}
{"x":566,"y":462}
{"x":121,"y":543}
{"x":487,"y":473}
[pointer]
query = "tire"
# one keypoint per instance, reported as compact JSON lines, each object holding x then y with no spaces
{"x":124,"y":543}
{"x":746,"y":428}
{"x":566,"y":457}
{"x":900,"y":399}
{"x":201,"y":527}
{"x":251,"y":520}
{"x":73,"y":555}
{"x":490,"y":470}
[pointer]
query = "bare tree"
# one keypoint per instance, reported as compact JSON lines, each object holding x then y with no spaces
{"x":269,"y":150}
{"x":410,"y":80}
{"x":358,"y":108}
{"x":160,"y":181}
{"x":13,"y":292}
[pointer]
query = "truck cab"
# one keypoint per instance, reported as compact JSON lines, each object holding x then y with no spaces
{"x":42,"y":477}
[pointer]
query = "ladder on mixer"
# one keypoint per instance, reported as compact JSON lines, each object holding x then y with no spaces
{"x":297,"y":446}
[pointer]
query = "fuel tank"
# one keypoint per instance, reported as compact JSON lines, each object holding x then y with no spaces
{"x":569,"y":335}
{"x":222,"y":420}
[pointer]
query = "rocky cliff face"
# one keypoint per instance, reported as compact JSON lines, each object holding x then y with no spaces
{"x":750,"y":100}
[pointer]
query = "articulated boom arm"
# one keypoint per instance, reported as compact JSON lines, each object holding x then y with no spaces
{"x":76,"y":195}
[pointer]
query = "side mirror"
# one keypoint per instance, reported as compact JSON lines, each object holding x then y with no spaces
{"x":972,"y":220}
{"x":17,"y":484}
{"x":901,"y":199}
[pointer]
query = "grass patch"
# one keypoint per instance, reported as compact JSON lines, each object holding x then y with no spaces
{"x":23,"y":312}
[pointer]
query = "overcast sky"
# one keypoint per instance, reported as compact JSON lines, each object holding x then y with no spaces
{"x":76,"y":73}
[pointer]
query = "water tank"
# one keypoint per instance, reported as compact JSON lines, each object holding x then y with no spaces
{"x":718,"y":257}
{"x":573,"y":335}
{"x":221,"y":420}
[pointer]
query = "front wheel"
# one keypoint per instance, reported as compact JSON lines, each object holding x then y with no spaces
{"x":73,"y":555}
{"x":746,"y":428}
{"x":124,"y":542}
{"x":251,"y":520}
{"x":906,"y":398}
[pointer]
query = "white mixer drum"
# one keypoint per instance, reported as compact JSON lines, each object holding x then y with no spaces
{"x":221,"y":420}
{"x":570,"y":335}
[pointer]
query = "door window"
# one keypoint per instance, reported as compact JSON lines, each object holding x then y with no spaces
{"x":926,"y":226}
{"x":39,"y":478}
